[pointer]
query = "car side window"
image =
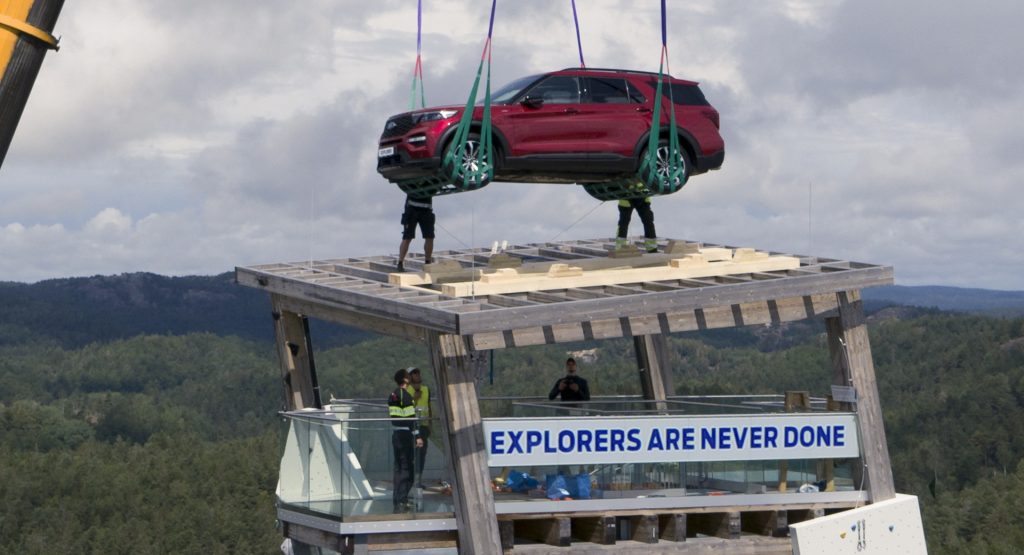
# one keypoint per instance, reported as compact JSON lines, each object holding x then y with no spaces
{"x":602,"y":90}
{"x":559,"y":89}
{"x":634,"y":94}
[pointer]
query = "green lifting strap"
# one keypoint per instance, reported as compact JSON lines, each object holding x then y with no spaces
{"x":663,"y":168}
{"x":468,"y":163}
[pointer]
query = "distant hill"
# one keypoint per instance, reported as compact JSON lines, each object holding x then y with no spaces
{"x":955,"y":299}
{"x":78,"y":311}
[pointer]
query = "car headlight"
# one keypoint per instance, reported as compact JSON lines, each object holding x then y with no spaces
{"x":436,"y":115}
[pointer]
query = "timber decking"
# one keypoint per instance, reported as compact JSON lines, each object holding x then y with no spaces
{"x":357,"y":291}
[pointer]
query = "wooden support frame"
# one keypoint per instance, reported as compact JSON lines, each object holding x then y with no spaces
{"x":642,"y":304}
{"x":851,"y":355}
{"x":474,"y":500}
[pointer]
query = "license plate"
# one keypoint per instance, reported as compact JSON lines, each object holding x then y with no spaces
{"x":389,"y":151}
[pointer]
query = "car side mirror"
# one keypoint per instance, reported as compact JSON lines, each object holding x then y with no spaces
{"x":533,"y":102}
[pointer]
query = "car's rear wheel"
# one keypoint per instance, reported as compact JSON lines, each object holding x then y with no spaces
{"x":669,"y":174}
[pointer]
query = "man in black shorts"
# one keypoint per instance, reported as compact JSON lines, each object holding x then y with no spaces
{"x":418,"y":211}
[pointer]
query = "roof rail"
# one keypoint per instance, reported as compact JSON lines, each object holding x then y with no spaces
{"x":615,"y":70}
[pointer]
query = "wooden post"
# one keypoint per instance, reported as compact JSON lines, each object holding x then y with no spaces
{"x":672,"y":527}
{"x":295,"y":353}
{"x":474,"y":500}
{"x":652,"y":362}
{"x":793,"y":400}
{"x":597,"y":529}
{"x":851,"y":362}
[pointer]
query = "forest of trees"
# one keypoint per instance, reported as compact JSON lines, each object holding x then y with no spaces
{"x":170,"y":443}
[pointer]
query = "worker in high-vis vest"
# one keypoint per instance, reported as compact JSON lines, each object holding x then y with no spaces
{"x":404,"y":439}
{"x":421,"y":398}
{"x":643,"y":208}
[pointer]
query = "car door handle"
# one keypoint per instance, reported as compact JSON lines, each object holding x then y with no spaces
{"x":643,"y":110}
{"x":570,"y":111}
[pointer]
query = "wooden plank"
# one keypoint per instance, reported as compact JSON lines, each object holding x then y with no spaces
{"x":765,"y":523}
{"x":552,"y":531}
{"x":599,"y":529}
{"x":670,"y":302}
{"x":871,"y":426}
{"x":366,"y":303}
{"x":473,"y":498}
{"x":562,"y":276}
{"x":425,"y":539}
{"x":295,"y":357}
{"x":718,"y":524}
{"x":463,"y":273}
{"x":317,"y":537}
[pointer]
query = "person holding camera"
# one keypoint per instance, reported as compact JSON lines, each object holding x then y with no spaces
{"x":571,"y":387}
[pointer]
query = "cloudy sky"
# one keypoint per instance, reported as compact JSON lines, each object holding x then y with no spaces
{"x":189,"y":137}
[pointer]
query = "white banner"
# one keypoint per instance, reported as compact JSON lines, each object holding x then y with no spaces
{"x":602,"y":440}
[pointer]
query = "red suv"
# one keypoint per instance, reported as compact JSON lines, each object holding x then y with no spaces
{"x":570,"y":126}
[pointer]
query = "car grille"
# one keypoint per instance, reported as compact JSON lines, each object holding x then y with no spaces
{"x":402,"y":125}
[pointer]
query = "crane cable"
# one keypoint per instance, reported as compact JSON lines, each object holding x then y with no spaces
{"x":579,"y":43}
{"x":417,"y":70}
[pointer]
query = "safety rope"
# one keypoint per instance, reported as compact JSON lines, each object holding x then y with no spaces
{"x":417,"y":70}
{"x":579,"y":43}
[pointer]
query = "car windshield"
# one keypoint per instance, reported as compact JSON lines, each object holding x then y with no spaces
{"x":511,"y":90}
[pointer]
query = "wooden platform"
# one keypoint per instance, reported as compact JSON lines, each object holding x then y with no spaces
{"x":645,"y":297}
{"x":543,"y":293}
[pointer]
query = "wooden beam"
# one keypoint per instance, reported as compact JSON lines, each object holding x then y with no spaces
{"x":871,"y":426}
{"x":655,"y":375}
{"x":794,"y":401}
{"x":333,"y":313}
{"x":361,"y":302}
{"x":597,"y":529}
{"x":474,"y":500}
{"x":550,"y":530}
{"x":672,"y":527}
{"x":669,"y":302}
{"x":752,"y":313}
{"x":722,"y":525}
{"x":643,"y":528}
{"x":316,"y":537}
{"x":563,"y":276}
{"x":298,"y":374}
{"x":765,"y":523}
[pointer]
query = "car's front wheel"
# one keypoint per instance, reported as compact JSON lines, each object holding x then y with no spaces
{"x":470,"y":165}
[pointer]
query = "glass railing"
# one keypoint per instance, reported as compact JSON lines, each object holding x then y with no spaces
{"x":341,"y":462}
